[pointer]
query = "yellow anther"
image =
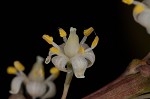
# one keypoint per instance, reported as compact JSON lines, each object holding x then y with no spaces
{"x":81,"y":50}
{"x":54,"y":71}
{"x":95,"y":42}
{"x":48,"y":38}
{"x":138,"y":9}
{"x":11,"y":70}
{"x":88,"y":31}
{"x":54,"y":50}
{"x":62,"y":33}
{"x":127,"y":1}
{"x":19,"y":66}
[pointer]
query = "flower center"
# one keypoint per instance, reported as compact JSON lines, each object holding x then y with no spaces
{"x":72,"y":45}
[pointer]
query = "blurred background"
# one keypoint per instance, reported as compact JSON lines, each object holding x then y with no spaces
{"x":24,"y":23}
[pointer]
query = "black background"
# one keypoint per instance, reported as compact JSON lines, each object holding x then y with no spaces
{"x":24,"y":23}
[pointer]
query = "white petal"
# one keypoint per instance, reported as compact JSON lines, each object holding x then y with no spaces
{"x":146,"y":2}
{"x":143,"y":19}
{"x":79,"y":65}
{"x":72,"y":45}
{"x":90,"y":56}
{"x":51,"y":90}
{"x":36,"y":89}
{"x":16,"y":84}
{"x":60,"y":62}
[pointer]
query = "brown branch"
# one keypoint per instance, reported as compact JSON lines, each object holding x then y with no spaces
{"x":130,"y":84}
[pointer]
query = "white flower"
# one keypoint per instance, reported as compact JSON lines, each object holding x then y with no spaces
{"x":141,"y":12}
{"x":73,"y":52}
{"x":35,"y":83}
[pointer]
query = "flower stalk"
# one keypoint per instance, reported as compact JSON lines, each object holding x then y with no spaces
{"x":67,"y":83}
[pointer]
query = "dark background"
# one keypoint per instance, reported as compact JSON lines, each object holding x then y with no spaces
{"x":24,"y":23}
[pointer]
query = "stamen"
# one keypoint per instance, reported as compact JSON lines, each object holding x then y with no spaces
{"x":83,"y":40}
{"x":54,"y":50}
{"x":19,"y":66}
{"x":54,"y":71}
{"x":48,"y":38}
{"x":11,"y":70}
{"x":62,"y":33}
{"x":95,"y":42}
{"x":138,"y":8}
{"x":129,"y":2}
{"x":55,"y":45}
{"x":88,"y":31}
{"x":81,"y":50}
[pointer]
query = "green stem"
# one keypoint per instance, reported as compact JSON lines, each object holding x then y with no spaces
{"x":67,"y":81}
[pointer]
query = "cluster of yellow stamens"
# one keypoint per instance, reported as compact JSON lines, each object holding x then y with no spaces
{"x":63,"y":34}
{"x":14,"y":69}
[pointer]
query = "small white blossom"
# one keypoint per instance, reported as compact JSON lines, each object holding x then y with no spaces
{"x":141,"y":12}
{"x":73,"y":52}
{"x":35,"y":83}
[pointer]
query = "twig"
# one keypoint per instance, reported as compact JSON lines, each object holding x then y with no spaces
{"x":127,"y":86}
